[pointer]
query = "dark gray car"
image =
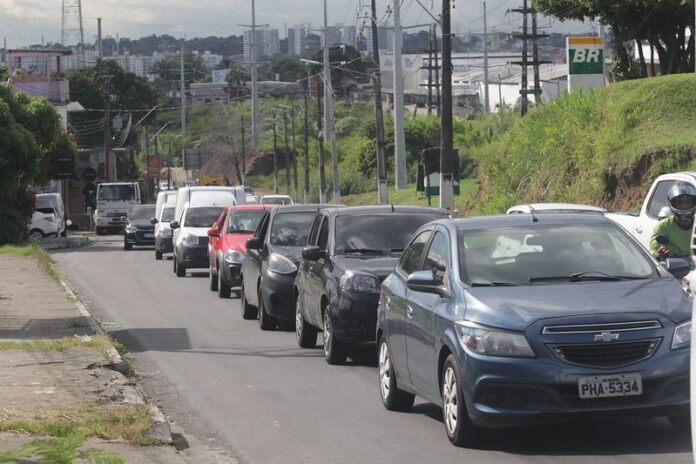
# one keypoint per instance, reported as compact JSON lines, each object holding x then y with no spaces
{"x":507,"y":320}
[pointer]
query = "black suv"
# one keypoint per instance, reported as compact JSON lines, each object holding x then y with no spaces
{"x":139,"y":229}
{"x":270,"y":265}
{"x":349,"y":253}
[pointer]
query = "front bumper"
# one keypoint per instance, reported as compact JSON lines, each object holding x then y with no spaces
{"x":192,"y":256}
{"x":355,"y":316}
{"x":105,"y":221}
{"x":163,"y":244}
{"x":231,"y":274}
{"x":277,"y":293}
{"x":503,"y":392}
{"x":140,"y":237}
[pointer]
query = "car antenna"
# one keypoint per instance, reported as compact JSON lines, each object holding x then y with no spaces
{"x":534,"y":218}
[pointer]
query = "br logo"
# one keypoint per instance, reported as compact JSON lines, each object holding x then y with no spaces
{"x":584,"y":55}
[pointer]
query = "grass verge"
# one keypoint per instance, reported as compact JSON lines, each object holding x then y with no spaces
{"x":98,"y":342}
{"x":33,"y":251}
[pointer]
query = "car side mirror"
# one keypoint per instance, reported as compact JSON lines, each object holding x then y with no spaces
{"x":68,"y":223}
{"x":678,"y":267}
{"x":662,"y":240}
{"x":174,"y":225}
{"x":254,"y":243}
{"x":426,"y":282}
{"x":313,"y":253}
{"x":213,"y":232}
{"x":153,"y":221}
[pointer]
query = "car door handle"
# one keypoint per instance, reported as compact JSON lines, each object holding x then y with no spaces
{"x":409,"y":312}
{"x":639,"y":229}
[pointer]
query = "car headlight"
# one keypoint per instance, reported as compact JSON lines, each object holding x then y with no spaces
{"x":166,"y":232}
{"x":234,"y":256}
{"x":281,"y":264}
{"x":131,"y":229}
{"x":359,"y":282}
{"x":682,"y":336}
{"x":191,"y":239}
{"x":493,"y":342}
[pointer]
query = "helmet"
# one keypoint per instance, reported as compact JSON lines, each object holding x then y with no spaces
{"x":681,"y":191}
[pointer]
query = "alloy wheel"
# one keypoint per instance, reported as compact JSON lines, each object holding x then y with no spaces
{"x":298,"y":319}
{"x":449,"y":397}
{"x":327,"y":334}
{"x":384,"y":370}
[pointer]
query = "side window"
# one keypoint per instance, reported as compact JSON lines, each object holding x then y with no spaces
{"x":221,"y":221}
{"x":438,"y":259}
{"x":323,"y":240}
{"x":659,"y":198}
{"x":314,"y":231}
{"x":263,"y":225}
{"x":413,"y":255}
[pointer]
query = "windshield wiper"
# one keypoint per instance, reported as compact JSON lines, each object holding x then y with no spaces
{"x":582,"y":276}
{"x":494,"y":284}
{"x":364,"y":250}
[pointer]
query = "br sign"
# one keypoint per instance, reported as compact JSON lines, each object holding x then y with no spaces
{"x":585,"y":58}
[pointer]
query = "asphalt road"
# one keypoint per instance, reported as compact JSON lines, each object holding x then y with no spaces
{"x":261,"y":398}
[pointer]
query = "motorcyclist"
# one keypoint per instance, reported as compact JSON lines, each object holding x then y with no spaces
{"x":677,"y":228}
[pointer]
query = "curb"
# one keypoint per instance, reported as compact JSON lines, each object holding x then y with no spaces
{"x":64,"y":242}
{"x":161,"y":429}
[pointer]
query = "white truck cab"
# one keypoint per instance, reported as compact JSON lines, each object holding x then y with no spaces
{"x":115,"y":200}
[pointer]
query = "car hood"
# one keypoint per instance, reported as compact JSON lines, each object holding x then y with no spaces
{"x":380,"y":266}
{"x":515,"y":308}
{"x":236,"y":241}
{"x":294,"y":253}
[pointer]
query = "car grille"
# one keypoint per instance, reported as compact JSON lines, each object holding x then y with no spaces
{"x":115,"y":214}
{"x":606,"y":355}
{"x":203,"y":241}
{"x":597,"y":328}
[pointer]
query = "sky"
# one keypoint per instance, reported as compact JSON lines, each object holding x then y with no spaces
{"x":26,"y":22}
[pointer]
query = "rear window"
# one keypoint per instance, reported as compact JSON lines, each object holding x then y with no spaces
{"x":378,"y":233}
{"x":201,"y":217}
{"x":116,"y":193}
{"x":46,"y":210}
{"x":244,"y":221}
{"x":291,"y":229}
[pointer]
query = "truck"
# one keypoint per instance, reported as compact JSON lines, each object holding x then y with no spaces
{"x":209,"y":180}
{"x":115,"y":201}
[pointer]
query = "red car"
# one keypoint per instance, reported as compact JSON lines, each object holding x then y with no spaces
{"x":227,"y":244}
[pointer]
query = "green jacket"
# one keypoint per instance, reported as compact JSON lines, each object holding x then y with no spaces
{"x":679,"y":239}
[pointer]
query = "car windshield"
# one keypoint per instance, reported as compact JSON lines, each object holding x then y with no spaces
{"x":377,"y":233}
{"x":202,"y":217}
{"x":168,"y":214}
{"x":142,"y":212}
{"x":244,"y":221}
{"x":275,"y":201}
{"x":116,"y":193}
{"x":291,"y":229}
{"x":547,"y":254}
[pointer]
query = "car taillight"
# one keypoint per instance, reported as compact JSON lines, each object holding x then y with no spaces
{"x":48,"y":218}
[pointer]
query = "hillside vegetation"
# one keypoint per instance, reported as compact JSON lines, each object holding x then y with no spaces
{"x":602,"y":147}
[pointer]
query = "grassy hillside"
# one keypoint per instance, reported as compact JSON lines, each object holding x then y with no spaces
{"x":602,"y":147}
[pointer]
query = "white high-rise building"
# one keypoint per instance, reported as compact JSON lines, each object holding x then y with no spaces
{"x":349,"y":35}
{"x":296,"y":40}
{"x":211,"y":60}
{"x":267,"y":43}
{"x":385,"y":39}
{"x":333,"y":33}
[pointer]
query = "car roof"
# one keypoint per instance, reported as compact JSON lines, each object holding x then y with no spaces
{"x":543,"y":207}
{"x":276,"y":195}
{"x":513,"y":220}
{"x":297,"y":208}
{"x":253,"y":206}
{"x":371,"y":209}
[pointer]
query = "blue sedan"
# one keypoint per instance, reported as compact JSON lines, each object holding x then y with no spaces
{"x":508,"y":320}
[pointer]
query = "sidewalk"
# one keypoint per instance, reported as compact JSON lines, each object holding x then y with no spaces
{"x":46,"y":387}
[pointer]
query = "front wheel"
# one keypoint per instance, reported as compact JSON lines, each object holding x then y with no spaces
{"x":393,"y":398}
{"x":305,"y":333}
{"x":266,"y":321}
{"x":158,"y":255}
{"x":222,"y":288}
{"x":248,"y":311}
{"x":179,"y":269}
{"x":212,"y":280}
{"x":127,"y":246}
{"x":36,"y":234}
{"x":460,"y":430}
{"x":334,"y":350}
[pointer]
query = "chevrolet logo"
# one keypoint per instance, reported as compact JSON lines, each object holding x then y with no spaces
{"x":606,"y":337}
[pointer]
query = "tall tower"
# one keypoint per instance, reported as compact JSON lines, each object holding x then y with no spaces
{"x":71,"y":25}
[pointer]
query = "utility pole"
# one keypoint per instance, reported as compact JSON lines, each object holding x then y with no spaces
{"x":486,"y":96}
{"x":523,"y":90}
{"x":399,"y":136}
{"x":329,"y":112}
{"x":293,"y":154}
{"x":107,"y":126}
{"x":169,"y":165}
{"x":500,"y":104}
{"x":430,"y":71}
{"x":254,"y":83}
{"x":446,"y":143}
{"x":525,"y":63}
{"x":99,"y":38}
{"x":438,"y":102}
{"x":535,"y":57}
{"x":382,"y":190}
{"x":243,"y":153}
{"x":306,"y":142}
{"x":320,"y":140}
{"x":287,"y":153}
{"x":275,"y":159}
{"x":182,"y":91}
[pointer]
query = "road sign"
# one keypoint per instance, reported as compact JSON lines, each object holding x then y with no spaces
{"x":195,"y":158}
{"x":154,"y":163}
{"x":585,"y":58}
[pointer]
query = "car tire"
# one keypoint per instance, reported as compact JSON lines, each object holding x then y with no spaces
{"x":237,"y":293}
{"x":334,"y":350}
{"x":460,"y":430}
{"x":212,"y":279}
{"x":305,"y":333}
{"x":127,"y":246}
{"x":179,"y":269}
{"x":100,"y":231}
{"x":248,"y":311}
{"x":681,"y":423}
{"x":36,"y":234}
{"x":158,"y":255}
{"x":266,"y":321}
{"x":393,"y":398}
{"x":222,"y":288}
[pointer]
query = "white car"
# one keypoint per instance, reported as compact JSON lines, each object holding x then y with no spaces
{"x":554,"y":208}
{"x":251,"y":198}
{"x":43,"y":224}
{"x":276,"y":200}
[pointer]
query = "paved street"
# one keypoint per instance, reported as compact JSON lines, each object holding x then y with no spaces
{"x":259,"y":396}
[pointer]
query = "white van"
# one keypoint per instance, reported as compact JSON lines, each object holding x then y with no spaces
{"x":207,"y":196}
{"x":163,"y":233}
{"x":163,"y":198}
{"x":55,"y":201}
{"x":190,"y":238}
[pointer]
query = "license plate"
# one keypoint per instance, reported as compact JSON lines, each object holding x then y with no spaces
{"x":149,"y":235}
{"x":603,"y":386}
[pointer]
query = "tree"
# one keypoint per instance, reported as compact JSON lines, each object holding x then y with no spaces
{"x":29,"y":129}
{"x":347,"y":67}
{"x":170,"y":69}
{"x":289,"y":68}
{"x":661,"y":23}
{"x":237,"y":79}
